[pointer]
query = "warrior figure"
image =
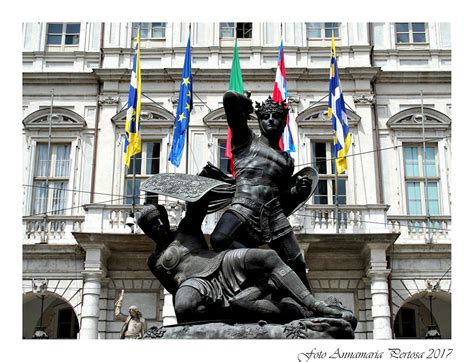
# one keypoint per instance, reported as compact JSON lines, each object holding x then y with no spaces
{"x":263,"y":188}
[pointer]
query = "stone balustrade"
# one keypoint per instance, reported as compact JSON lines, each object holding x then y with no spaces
{"x":419,"y":228}
{"x":317,"y":219}
{"x":310,"y":219}
{"x":51,"y":228}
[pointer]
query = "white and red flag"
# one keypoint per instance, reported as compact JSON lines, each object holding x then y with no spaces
{"x":280,"y":93}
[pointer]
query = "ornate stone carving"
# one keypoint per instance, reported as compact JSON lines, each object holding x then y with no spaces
{"x":432,"y":285}
{"x":39,"y":286}
{"x":364,"y":99}
{"x":292,"y":100}
{"x":109,"y":100}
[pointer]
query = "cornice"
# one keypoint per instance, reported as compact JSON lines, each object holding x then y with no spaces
{"x":411,"y":76}
{"x":59,"y":78}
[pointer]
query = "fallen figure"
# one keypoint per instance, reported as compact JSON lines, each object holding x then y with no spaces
{"x":239,"y":285}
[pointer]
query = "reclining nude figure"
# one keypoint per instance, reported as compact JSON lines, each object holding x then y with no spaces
{"x":242,"y":285}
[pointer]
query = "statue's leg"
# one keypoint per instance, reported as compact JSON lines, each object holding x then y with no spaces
{"x":259,"y":261}
{"x":288,"y":250}
{"x":250,"y":303}
{"x":189,"y":305}
{"x":226,"y":232}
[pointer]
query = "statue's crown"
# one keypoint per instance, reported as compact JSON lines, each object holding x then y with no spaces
{"x":269,"y":106}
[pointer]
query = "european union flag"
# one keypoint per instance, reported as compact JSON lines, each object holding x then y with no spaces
{"x":185,"y":105}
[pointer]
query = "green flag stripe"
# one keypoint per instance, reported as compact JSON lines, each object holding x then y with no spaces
{"x":236,"y":81}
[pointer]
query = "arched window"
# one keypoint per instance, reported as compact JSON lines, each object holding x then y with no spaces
{"x":423,"y":158}
{"x":54,"y":138}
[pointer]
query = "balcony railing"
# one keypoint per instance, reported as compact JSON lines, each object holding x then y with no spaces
{"x":317,"y":219}
{"x":419,"y":228}
{"x":51,"y":228}
{"x":310,"y":219}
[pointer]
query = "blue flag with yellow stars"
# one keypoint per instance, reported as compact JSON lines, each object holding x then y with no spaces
{"x":185,"y":105}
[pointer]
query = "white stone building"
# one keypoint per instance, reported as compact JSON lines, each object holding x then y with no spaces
{"x":393,"y":251}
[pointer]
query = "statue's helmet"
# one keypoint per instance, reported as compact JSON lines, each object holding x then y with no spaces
{"x":270,"y":106}
{"x":154,"y":218}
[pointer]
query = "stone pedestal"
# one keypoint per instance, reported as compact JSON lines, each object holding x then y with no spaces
{"x":311,"y":328}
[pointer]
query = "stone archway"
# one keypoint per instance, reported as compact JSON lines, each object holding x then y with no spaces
{"x":413,"y":317}
{"x":59,"y":318}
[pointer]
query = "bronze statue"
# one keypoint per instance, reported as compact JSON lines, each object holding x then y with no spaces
{"x":236,"y":280}
{"x":263,"y":184}
{"x":241,"y":285}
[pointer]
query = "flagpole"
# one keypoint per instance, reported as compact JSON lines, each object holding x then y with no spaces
{"x":133,"y":157}
{"x":424,"y":168}
{"x":189,"y":121}
{"x":137,"y":130}
{"x":133,"y":185}
{"x":337,"y":198}
{"x":45,"y":238}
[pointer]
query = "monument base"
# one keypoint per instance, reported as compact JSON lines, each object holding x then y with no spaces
{"x":310,"y":328}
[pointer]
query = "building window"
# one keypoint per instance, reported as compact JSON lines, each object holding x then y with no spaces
{"x":405,"y":323}
{"x":422,"y":183}
{"x":410,"y":33}
{"x":51,"y":179}
{"x":322,"y":30}
{"x":145,"y":164}
{"x":150,"y":30}
{"x":324,"y":163}
{"x":235,"y":30}
{"x":63,"y":34}
{"x":68,"y":327}
{"x":223,"y":160}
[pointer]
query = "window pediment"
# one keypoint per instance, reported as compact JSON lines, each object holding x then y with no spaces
{"x":317,"y":116}
{"x":217,"y":118}
{"x":59,"y":118}
{"x":150,"y":116}
{"x":411,"y":119}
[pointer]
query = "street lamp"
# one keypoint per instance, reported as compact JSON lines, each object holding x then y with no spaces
{"x":432,"y":332}
{"x":130,"y":222}
{"x":39,"y":288}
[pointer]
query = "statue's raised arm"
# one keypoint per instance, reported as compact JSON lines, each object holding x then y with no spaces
{"x":238,"y":108}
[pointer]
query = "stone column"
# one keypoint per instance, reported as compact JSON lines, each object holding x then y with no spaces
{"x":90,"y":306}
{"x":378,"y":274}
{"x":94,"y":271}
{"x":169,"y":316}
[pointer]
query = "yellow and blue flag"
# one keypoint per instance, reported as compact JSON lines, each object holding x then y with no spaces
{"x":183,"y":113}
{"x":133,"y":142}
{"x":337,"y":113}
